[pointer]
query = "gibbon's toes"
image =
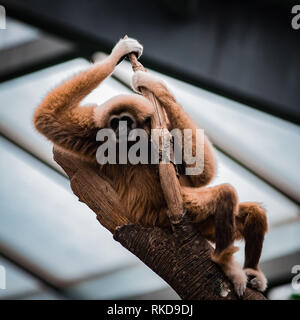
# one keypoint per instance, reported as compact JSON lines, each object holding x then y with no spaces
{"x":232,"y":269}
{"x":236,"y":274}
{"x":143,"y":79}
{"x":239,"y":280}
{"x":256,"y":279}
{"x":240,"y":287}
{"x":126,"y":46}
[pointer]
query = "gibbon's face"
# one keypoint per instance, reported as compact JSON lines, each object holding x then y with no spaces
{"x":122,"y":124}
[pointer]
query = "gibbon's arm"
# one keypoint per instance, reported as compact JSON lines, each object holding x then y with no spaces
{"x":60,"y":118}
{"x":178,"y":119}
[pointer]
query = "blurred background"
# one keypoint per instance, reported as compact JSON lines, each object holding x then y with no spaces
{"x":235,"y":68}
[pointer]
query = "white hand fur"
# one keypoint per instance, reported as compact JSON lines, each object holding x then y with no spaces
{"x":146,"y":80}
{"x":126,"y":46}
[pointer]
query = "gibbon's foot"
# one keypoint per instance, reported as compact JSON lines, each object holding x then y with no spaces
{"x":236,"y":274}
{"x":146,"y":80}
{"x":232,"y":269}
{"x":256,"y":279}
{"x":126,"y":46}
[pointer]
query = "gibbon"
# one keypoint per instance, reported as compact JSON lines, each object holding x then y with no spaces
{"x":216,"y":210}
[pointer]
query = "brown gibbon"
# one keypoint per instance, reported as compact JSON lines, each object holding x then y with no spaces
{"x":219,"y":216}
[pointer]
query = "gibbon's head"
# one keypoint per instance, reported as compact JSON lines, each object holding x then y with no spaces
{"x":135,"y":110}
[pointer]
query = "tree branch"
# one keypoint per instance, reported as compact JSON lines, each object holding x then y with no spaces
{"x":180,"y":256}
{"x":92,"y":189}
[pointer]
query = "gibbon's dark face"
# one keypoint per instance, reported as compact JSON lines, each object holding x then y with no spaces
{"x":129,"y":123}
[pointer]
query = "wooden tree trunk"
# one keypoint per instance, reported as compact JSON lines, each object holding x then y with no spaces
{"x":180,"y":256}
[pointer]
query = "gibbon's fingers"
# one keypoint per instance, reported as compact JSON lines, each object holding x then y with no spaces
{"x":125,"y":47}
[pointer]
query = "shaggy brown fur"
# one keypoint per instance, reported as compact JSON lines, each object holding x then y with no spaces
{"x":216,"y":210}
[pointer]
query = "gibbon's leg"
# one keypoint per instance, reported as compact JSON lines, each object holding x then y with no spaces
{"x":252,"y":225}
{"x":59,"y":116}
{"x":218,"y":204}
{"x":178,"y":119}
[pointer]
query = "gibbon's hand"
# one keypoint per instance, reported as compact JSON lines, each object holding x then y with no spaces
{"x":146,"y":80}
{"x":126,"y":46}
